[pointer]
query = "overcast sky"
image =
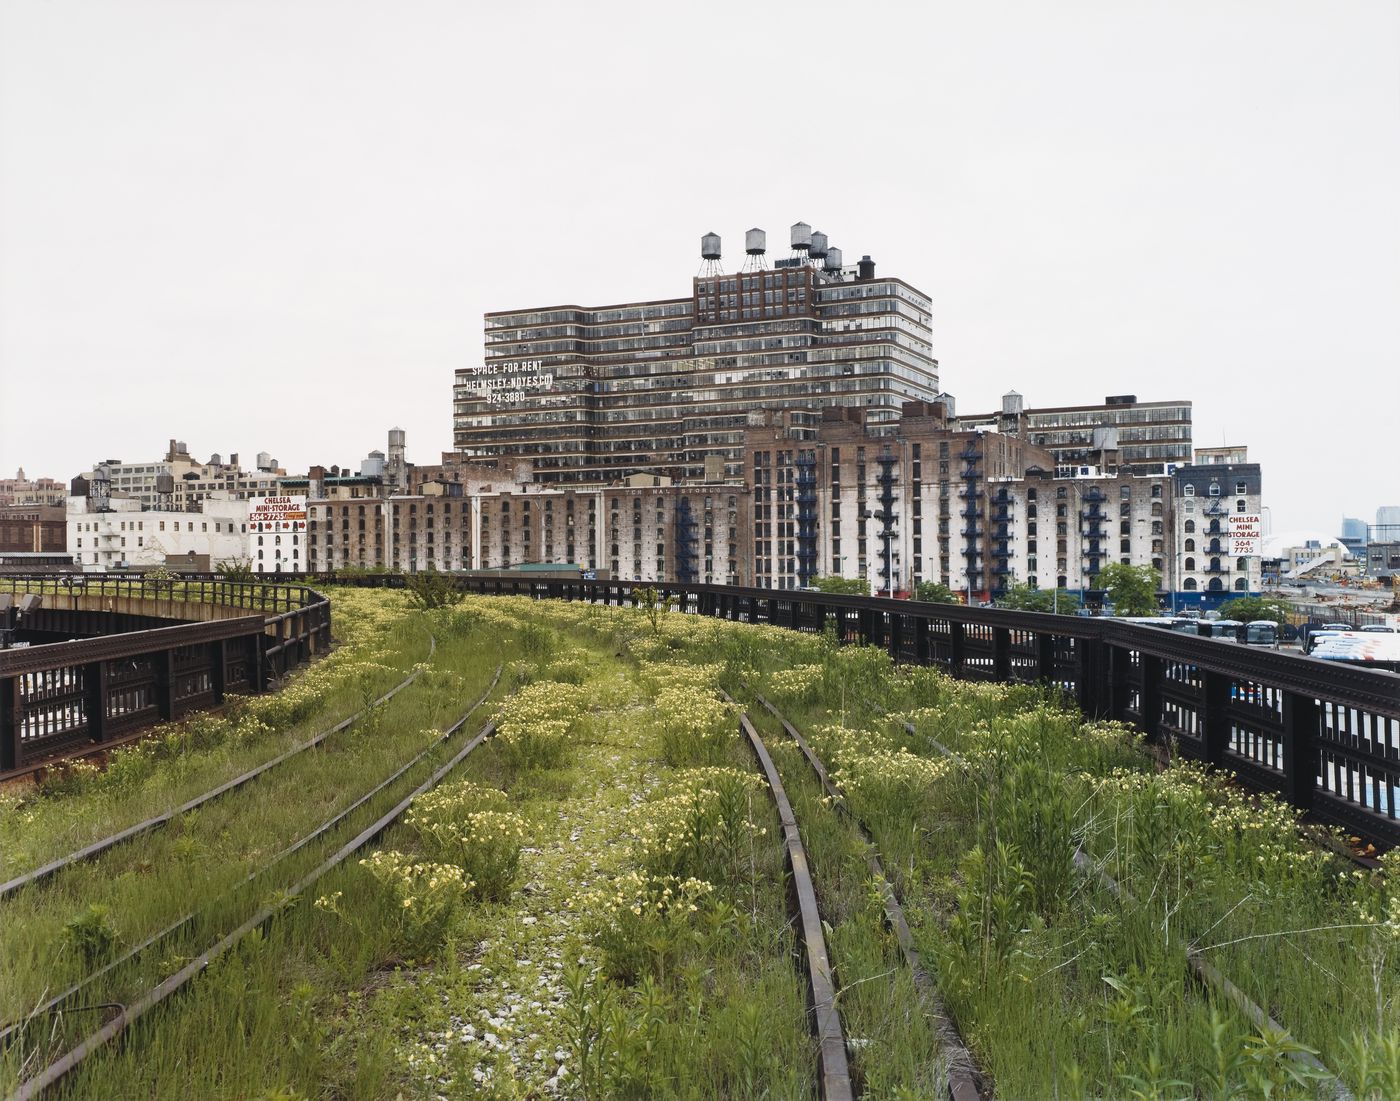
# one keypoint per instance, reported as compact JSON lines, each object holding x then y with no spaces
{"x":276,"y":225}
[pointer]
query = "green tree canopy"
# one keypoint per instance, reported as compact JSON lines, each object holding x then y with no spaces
{"x":1023,"y":598}
{"x":1132,"y":590}
{"x":935,"y":592}
{"x":1248,"y":608}
{"x":843,"y":586}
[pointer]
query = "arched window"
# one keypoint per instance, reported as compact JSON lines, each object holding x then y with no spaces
{"x":1188,"y":491}
{"x":1215,"y":565}
{"x":260,"y":540}
{"x":1189,"y":564}
{"x":1241,"y":584}
{"x":1239,"y":505}
{"x":1190,"y":545}
{"x":1189,"y":526}
{"x":1215,"y":585}
{"x":1060,"y":493}
{"x":1242,"y":565}
{"x":1189,"y":584}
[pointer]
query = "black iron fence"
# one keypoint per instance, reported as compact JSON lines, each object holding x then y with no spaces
{"x":1324,"y":736}
{"x":67,"y":698}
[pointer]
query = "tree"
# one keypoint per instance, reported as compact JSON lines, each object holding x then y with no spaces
{"x":431,"y":589}
{"x":935,"y":592}
{"x":842,"y":586}
{"x":1132,"y":590}
{"x":234,"y":569}
{"x":1022,"y":598}
{"x":1249,"y":608}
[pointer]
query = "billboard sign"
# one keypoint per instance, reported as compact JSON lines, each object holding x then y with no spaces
{"x":1246,"y":534}
{"x":277,"y":514}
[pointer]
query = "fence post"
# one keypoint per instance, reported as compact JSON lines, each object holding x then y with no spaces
{"x":218,"y":668}
{"x":923,"y":652}
{"x":257,"y":671}
{"x":9,"y":723}
{"x":895,"y":636}
{"x":1120,"y":685}
{"x":1150,"y":696}
{"x":1001,"y":654}
{"x":1215,"y":716}
{"x":1045,"y":657}
{"x":95,"y":699}
{"x":1089,"y":676}
{"x":164,"y":662}
{"x":1300,"y":716}
{"x":957,"y":648}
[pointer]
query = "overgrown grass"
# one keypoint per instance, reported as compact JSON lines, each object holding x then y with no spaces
{"x":625,"y":800}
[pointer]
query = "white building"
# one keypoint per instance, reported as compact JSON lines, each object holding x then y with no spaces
{"x":115,"y":533}
{"x":180,"y":481}
{"x":277,"y":534}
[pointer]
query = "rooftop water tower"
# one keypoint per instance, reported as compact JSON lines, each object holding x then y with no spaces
{"x":709,"y":255}
{"x":756,"y":245}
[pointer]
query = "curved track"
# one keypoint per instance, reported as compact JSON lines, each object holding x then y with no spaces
{"x":59,"y":1069}
{"x":964,"y":1081}
{"x":97,"y":848}
{"x":9,"y":1031}
{"x":834,"y":1067}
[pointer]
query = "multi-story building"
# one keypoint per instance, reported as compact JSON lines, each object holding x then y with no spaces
{"x":20,"y":490}
{"x":33,"y":529}
{"x":593,"y":394}
{"x":1143,"y":433}
{"x":179,"y":482}
{"x":1206,"y":494}
{"x":116,"y":533}
{"x":646,"y":529}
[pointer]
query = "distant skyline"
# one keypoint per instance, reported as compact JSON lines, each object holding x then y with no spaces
{"x":275,"y":226}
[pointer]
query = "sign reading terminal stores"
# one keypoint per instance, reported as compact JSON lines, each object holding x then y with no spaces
{"x":509,"y":382}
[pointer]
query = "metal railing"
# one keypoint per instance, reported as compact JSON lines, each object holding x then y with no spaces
{"x":67,"y":698}
{"x":1324,"y":736}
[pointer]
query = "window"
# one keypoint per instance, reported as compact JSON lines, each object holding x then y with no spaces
{"x":1188,"y":491}
{"x":1240,"y":489}
{"x":1215,"y":489}
{"x":1190,"y":545}
{"x":1189,"y":526}
{"x":1239,"y":505}
{"x":1189,"y":564}
{"x":1189,"y":584}
{"x":1240,"y":584}
{"x":1242,"y":565}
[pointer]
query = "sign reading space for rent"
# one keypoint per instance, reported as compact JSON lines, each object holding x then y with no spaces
{"x":1246,"y":534}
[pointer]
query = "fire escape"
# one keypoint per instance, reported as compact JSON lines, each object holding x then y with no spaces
{"x":971,"y":513}
{"x":886,"y":515}
{"x":686,"y":540}
{"x":806,"y":517}
{"x":1091,"y":530}
{"x":1001,"y":517}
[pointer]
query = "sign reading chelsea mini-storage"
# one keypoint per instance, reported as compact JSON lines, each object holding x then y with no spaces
{"x":1246,"y":533}
{"x":288,"y":513}
{"x":275,"y":529}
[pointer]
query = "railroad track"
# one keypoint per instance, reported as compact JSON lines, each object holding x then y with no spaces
{"x":54,"y":1072}
{"x":97,"y":848}
{"x":1205,"y":974}
{"x":965,"y":1083}
{"x":54,"y":1004}
{"x":833,"y":1064}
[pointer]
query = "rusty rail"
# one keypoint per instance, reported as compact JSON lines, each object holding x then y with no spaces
{"x":835,"y":1070}
{"x":964,"y":1081}
{"x":128,"y":1015}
